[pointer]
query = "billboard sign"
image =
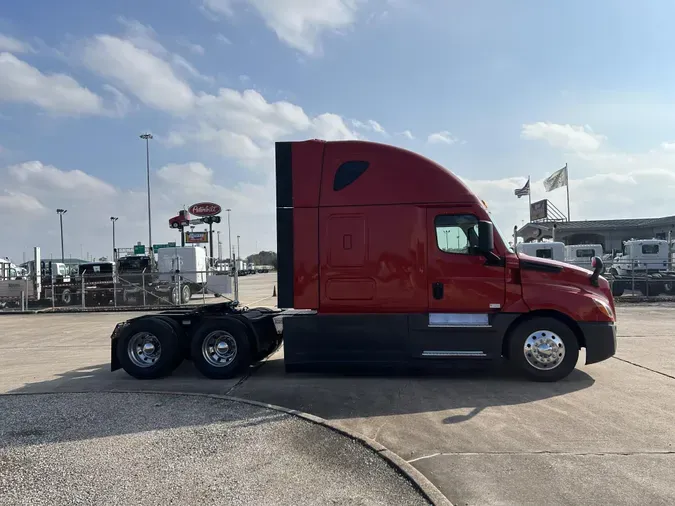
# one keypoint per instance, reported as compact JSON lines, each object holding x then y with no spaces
{"x":196,"y":237}
{"x":539,"y":210}
{"x":205,"y":209}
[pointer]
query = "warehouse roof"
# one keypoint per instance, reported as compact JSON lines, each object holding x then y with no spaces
{"x":613,"y":224}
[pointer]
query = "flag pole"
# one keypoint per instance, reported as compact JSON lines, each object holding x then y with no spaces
{"x":567,"y":174}
{"x":529,"y":200}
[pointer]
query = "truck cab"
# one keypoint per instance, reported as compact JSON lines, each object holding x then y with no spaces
{"x":182,"y":219}
{"x":385,"y":257}
{"x":582,"y":254}
{"x":544,"y":249}
{"x":641,"y":256}
{"x":391,"y":258}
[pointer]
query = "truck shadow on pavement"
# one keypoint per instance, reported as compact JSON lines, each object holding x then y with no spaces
{"x":339,"y":394}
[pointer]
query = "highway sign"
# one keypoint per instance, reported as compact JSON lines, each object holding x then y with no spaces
{"x":139,"y":249}
{"x":156,"y":247}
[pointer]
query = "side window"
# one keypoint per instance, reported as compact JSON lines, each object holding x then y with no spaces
{"x":544,"y":253}
{"x":585,"y":253}
{"x":347,"y":173}
{"x":457,"y":233}
{"x":650,"y":249}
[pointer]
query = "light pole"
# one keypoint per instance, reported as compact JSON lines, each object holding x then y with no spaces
{"x":238,"y":251}
{"x":229,"y":232}
{"x":113,"y":219}
{"x":147,"y":138}
{"x":61,"y":212}
{"x":220,"y":247}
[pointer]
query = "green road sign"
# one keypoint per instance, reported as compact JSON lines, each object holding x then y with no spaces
{"x":156,"y":247}
{"x":139,"y":249}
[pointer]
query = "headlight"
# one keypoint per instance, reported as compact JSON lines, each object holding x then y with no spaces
{"x":604,"y":307}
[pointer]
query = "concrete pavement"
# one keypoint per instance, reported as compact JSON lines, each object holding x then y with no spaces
{"x":603,"y":435}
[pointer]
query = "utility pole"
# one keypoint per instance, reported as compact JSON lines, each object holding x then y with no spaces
{"x":238,"y":251}
{"x":220,"y":247}
{"x":61,"y":212}
{"x":229,"y":232}
{"x":114,"y":219}
{"x":147,"y":138}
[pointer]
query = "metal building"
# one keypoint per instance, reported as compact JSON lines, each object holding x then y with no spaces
{"x":609,"y":233}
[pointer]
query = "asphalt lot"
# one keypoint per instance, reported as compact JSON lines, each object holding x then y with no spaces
{"x":163,"y":449}
{"x":604,"y":435}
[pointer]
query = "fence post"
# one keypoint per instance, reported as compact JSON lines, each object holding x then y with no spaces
{"x":143,"y":282}
{"x":204,"y":289}
{"x":53,"y":294}
{"x":632,"y":276}
{"x":114,"y":287}
{"x":82,"y":295}
{"x":23,"y":301}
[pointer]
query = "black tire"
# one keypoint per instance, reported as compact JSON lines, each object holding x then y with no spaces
{"x":164,"y":333}
{"x":617,"y":289}
{"x":226,"y":330}
{"x":669,"y":287}
{"x":186,"y":293}
{"x":551,"y":331}
{"x":67,"y":297}
{"x":183,"y":343}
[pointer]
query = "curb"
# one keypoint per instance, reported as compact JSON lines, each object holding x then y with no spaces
{"x":407,"y":470}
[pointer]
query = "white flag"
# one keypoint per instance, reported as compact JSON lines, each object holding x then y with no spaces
{"x":556,"y":180}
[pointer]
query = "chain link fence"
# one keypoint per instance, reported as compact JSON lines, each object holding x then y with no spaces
{"x":110,"y":291}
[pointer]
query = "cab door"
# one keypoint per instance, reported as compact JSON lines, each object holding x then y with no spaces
{"x":463,"y":286}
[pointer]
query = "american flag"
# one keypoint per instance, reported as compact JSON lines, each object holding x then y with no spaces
{"x":525,"y":190}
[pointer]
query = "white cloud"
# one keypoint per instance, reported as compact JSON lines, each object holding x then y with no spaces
{"x":298,"y":23}
{"x":35,"y":174}
{"x":90,"y":202}
{"x":17,"y":202}
{"x":190,"y":46}
{"x":221,"y":38}
{"x":12,"y":45}
{"x":575,"y":138}
{"x":668,"y":146}
{"x":370,"y":125}
{"x":407,"y":134}
{"x":140,"y":72}
{"x":443,"y":137}
{"x":56,"y":93}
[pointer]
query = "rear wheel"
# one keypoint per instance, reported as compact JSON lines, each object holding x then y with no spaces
{"x":544,"y":349}
{"x":186,"y":293}
{"x":67,"y":297}
{"x":148,"y":348}
{"x":617,"y":289}
{"x":220,"y":349}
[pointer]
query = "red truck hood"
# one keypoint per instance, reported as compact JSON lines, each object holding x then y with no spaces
{"x":550,"y":284}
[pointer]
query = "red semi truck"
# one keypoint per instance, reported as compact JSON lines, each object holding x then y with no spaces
{"x":386,"y":257}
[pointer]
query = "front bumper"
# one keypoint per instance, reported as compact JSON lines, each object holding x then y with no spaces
{"x":600,"y":338}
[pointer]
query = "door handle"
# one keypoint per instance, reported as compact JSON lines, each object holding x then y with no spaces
{"x":437,"y":290}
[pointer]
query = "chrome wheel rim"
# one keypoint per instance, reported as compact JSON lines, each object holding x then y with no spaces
{"x":219,"y":348}
{"x":544,"y":350}
{"x":144,"y":349}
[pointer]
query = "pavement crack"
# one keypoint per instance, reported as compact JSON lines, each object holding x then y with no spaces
{"x":644,"y":367}
{"x":544,"y":452}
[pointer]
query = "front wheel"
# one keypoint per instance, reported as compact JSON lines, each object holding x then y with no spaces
{"x":544,"y":349}
{"x":220,"y":349}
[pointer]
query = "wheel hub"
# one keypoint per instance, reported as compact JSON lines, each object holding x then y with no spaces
{"x":219,"y":348}
{"x":144,"y":349}
{"x":544,"y":350}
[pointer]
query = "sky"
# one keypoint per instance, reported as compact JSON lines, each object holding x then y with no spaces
{"x":494,"y":91}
